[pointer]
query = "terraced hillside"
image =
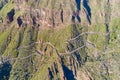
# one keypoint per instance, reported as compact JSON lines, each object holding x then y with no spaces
{"x":59,"y":40}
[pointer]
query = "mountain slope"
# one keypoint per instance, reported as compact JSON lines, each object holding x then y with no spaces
{"x":59,"y":40}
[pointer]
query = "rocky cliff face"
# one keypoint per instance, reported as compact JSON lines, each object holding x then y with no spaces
{"x":59,"y":40}
{"x":58,"y":12}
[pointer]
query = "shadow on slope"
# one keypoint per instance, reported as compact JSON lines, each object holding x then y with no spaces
{"x":88,"y":10}
{"x":5,"y":71}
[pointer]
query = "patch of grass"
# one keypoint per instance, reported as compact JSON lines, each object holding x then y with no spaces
{"x":115,"y":34}
{"x":56,"y":37}
{"x":4,"y":38}
{"x":42,"y":72}
{"x":18,"y":13}
{"x":24,"y":66}
{"x":7,"y":8}
{"x":98,"y":36}
{"x":11,"y":49}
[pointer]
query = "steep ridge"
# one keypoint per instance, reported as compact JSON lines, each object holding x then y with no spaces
{"x":59,"y":40}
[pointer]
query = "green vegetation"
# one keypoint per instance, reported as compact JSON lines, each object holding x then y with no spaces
{"x":57,"y":37}
{"x":7,"y":8}
{"x":24,"y":66}
{"x":4,"y":39}
{"x":33,"y":52}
